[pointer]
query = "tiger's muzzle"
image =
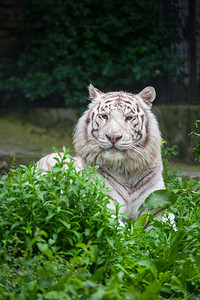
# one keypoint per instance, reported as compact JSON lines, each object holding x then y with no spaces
{"x":113,"y":138}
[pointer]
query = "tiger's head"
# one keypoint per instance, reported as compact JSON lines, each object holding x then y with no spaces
{"x":119,"y":132}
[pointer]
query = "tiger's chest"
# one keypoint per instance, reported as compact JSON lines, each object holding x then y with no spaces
{"x":130,"y":195}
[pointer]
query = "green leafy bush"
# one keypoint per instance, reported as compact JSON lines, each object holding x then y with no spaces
{"x":71,"y":43}
{"x":196,"y":150}
{"x":58,"y":240}
{"x":33,"y":204}
{"x":168,"y":153}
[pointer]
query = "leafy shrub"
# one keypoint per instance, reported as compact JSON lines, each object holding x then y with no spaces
{"x":32,"y":205}
{"x":58,"y":240}
{"x":71,"y":43}
{"x":167,"y":154}
{"x":196,"y":150}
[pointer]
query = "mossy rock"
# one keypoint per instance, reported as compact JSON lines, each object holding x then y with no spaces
{"x":26,"y":137}
{"x":176,"y":123}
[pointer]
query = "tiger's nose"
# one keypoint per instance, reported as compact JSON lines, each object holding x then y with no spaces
{"x":113,"y":138}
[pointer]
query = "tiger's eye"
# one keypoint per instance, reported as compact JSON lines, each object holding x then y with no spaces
{"x":128,"y":118}
{"x":105,"y":117}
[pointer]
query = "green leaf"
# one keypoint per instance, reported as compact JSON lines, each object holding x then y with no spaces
{"x":176,"y":183}
{"x":151,"y":292}
{"x":99,"y":232}
{"x":141,"y":222}
{"x":87,"y":231}
{"x":149,"y":265}
{"x":51,"y":215}
{"x":42,"y":247}
{"x":110,"y":242}
{"x":159,"y":199}
{"x":65,"y":224}
{"x":99,"y":274}
{"x":57,"y":295}
{"x":15,"y":225}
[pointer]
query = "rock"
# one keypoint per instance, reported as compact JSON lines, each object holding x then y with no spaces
{"x":29,"y":135}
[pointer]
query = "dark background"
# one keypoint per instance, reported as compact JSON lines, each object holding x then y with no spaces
{"x":51,"y":50}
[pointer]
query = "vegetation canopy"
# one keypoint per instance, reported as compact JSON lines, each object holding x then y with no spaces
{"x":68,"y":44}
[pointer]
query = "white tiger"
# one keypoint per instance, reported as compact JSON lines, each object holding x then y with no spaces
{"x":120,"y":134}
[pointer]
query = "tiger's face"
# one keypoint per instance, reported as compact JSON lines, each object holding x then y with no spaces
{"x":116,"y":127}
{"x":118,"y":123}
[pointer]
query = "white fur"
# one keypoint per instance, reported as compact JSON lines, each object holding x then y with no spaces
{"x":132,"y":165}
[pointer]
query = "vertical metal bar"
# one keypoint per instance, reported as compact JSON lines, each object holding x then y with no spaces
{"x":192,"y":52}
{"x":164,"y":7}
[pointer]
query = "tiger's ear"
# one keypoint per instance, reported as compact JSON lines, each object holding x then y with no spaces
{"x":93,"y":92}
{"x":148,"y":95}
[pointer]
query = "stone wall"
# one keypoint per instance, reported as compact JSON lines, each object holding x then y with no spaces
{"x":176,"y":123}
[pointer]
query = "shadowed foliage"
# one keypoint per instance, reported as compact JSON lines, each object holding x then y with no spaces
{"x":68,"y":44}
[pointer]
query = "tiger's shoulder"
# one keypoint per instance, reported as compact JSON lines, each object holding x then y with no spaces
{"x":50,"y":160}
